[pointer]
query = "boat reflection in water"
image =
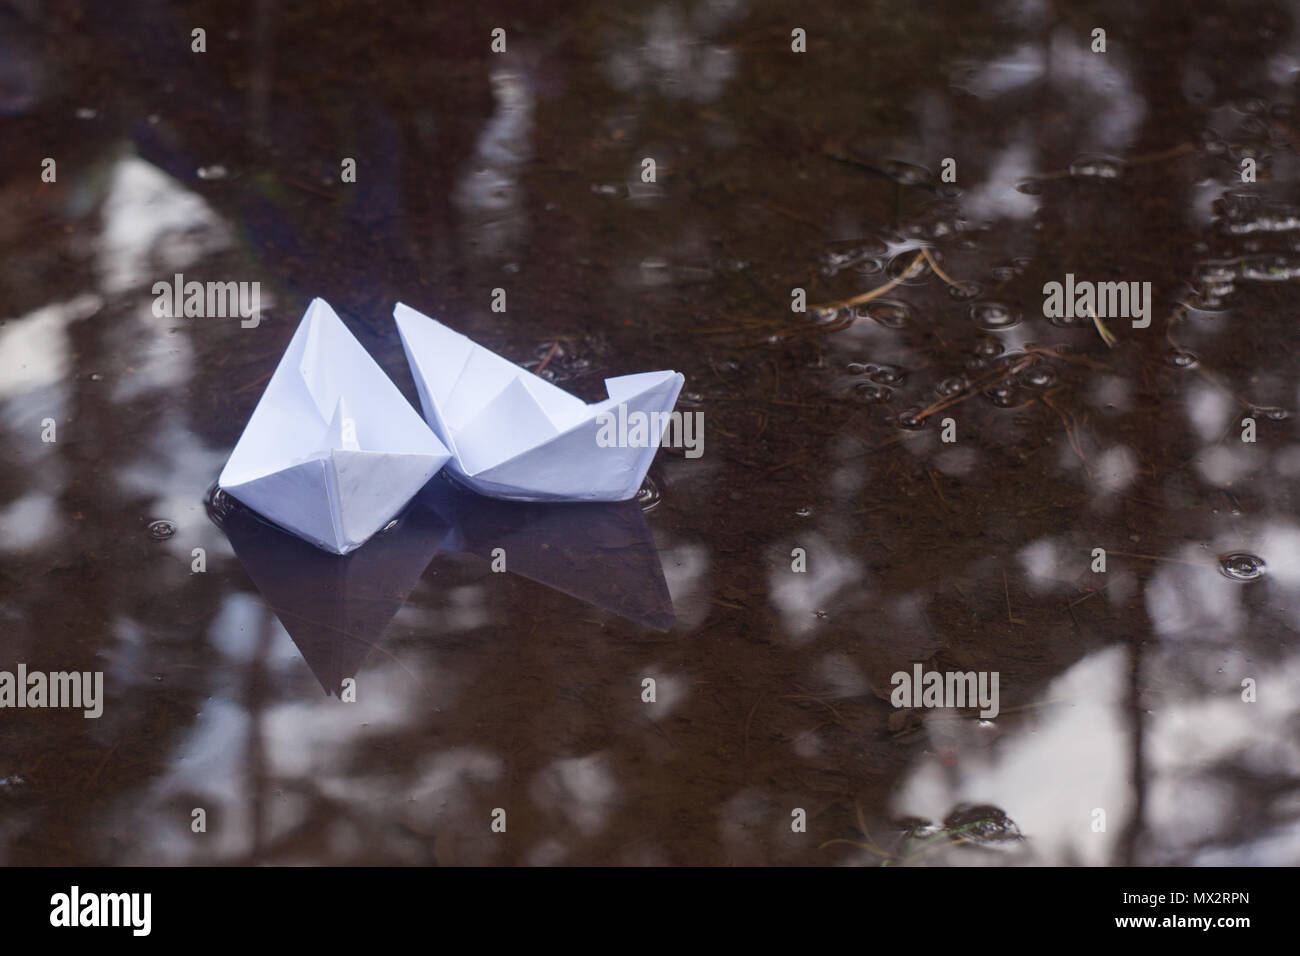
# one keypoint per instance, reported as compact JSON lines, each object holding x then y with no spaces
{"x":600,"y":553}
{"x":336,"y":608}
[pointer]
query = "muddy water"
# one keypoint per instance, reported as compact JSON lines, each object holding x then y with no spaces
{"x":1122,"y":735}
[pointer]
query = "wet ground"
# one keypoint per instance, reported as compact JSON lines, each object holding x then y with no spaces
{"x":1148,"y":714}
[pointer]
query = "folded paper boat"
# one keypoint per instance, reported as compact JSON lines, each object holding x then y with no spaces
{"x":514,"y":435}
{"x":333,"y":450}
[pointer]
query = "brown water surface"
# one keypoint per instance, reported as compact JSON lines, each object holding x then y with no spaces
{"x":1122,"y":734}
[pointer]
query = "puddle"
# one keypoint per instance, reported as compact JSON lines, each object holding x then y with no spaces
{"x":918,"y":470}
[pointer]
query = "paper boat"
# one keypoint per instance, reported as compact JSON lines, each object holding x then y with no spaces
{"x":333,"y":450}
{"x":515,"y":435}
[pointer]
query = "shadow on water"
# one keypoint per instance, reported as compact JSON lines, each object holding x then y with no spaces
{"x":831,"y":535}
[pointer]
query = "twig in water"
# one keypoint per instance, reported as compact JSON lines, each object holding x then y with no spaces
{"x":1006,"y":589}
{"x":874,"y":293}
{"x":554,"y":346}
{"x":1105,"y":333}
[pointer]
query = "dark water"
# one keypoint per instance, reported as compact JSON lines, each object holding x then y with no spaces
{"x":1120,"y":692}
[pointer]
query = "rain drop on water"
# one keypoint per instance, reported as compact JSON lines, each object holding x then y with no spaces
{"x":859,"y":257}
{"x":647,"y":495}
{"x":886,"y":312}
{"x":162,"y":529}
{"x":871,"y":394}
{"x":908,"y":269}
{"x":1242,"y":566}
{"x":1181,"y":358}
{"x":890,"y":375}
{"x":1003,"y":396}
{"x":950,"y":386}
{"x":993,"y":316}
{"x":910,"y":420}
{"x":1042,"y":376}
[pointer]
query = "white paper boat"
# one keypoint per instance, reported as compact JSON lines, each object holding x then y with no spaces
{"x":333,"y":450}
{"x":515,"y":435}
